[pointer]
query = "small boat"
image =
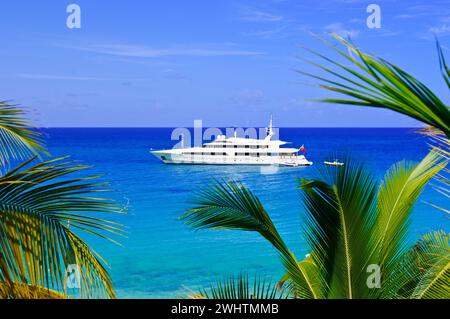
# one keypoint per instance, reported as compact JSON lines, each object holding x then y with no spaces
{"x":335,"y":163}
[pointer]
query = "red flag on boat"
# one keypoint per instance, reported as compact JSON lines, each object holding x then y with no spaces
{"x":303,"y":149}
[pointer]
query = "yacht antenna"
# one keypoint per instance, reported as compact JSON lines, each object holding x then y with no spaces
{"x":269,"y":130}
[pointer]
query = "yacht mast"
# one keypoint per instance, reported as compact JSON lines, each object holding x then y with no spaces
{"x":269,"y":129}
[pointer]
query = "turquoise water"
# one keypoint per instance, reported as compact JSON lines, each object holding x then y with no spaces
{"x":161,"y":257}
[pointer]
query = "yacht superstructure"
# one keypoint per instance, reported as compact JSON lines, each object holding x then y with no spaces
{"x":236,"y":151}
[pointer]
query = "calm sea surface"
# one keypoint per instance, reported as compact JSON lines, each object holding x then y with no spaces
{"x":161,"y":257}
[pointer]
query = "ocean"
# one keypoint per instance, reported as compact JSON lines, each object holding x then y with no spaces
{"x":160,"y":257}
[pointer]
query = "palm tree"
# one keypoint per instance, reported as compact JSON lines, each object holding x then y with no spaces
{"x":352,"y":226}
{"x":371,"y":81}
{"x":44,"y":208}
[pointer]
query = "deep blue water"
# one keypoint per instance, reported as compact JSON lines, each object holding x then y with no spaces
{"x":162,"y":257}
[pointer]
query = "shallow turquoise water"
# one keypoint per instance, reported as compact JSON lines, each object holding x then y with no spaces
{"x":162,"y":257}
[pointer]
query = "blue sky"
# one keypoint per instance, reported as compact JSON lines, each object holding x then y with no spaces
{"x":165,"y":63}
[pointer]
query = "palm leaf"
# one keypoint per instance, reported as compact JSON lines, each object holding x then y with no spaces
{"x":232,"y":206}
{"x":400,"y":189}
{"x":242,"y":288}
{"x":339,"y":217}
{"x":434,"y":259}
{"x":441,"y":145}
{"x":424,"y":273}
{"x":23,"y":291}
{"x":18,"y":140}
{"x":376,"y":82}
{"x":42,"y":216}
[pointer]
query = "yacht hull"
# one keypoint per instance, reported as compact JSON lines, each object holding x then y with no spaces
{"x":169,"y":158}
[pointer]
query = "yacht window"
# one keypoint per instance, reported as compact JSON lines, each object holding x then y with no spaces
{"x":247,"y":154}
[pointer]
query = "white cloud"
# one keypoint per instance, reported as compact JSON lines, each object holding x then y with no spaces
{"x":341,"y":30}
{"x":445,"y":28}
{"x":140,"y":51}
{"x":406,"y":16}
{"x":266,"y":34}
{"x":58,"y":77}
{"x":259,"y":16}
{"x":30,"y":76}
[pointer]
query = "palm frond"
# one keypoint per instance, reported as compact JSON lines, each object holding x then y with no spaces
{"x":424,"y":272}
{"x":232,"y":206}
{"x":400,"y":189}
{"x":339,"y":217}
{"x":23,"y":291}
{"x":441,"y":145}
{"x":42,"y":215}
{"x":434,"y":260}
{"x":316,"y":276}
{"x":375,"y":82}
{"x":18,"y":140}
{"x":241,"y":287}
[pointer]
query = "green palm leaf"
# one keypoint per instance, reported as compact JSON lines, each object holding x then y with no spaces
{"x":434,"y":260}
{"x":242,"y":288}
{"x":42,"y":215}
{"x":339,"y":217}
{"x":375,"y":82}
{"x":18,"y":141}
{"x":400,"y":189}
{"x":424,"y":272}
{"x":233,"y":206}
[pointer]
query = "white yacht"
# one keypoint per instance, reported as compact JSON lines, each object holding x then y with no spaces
{"x":237,"y":151}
